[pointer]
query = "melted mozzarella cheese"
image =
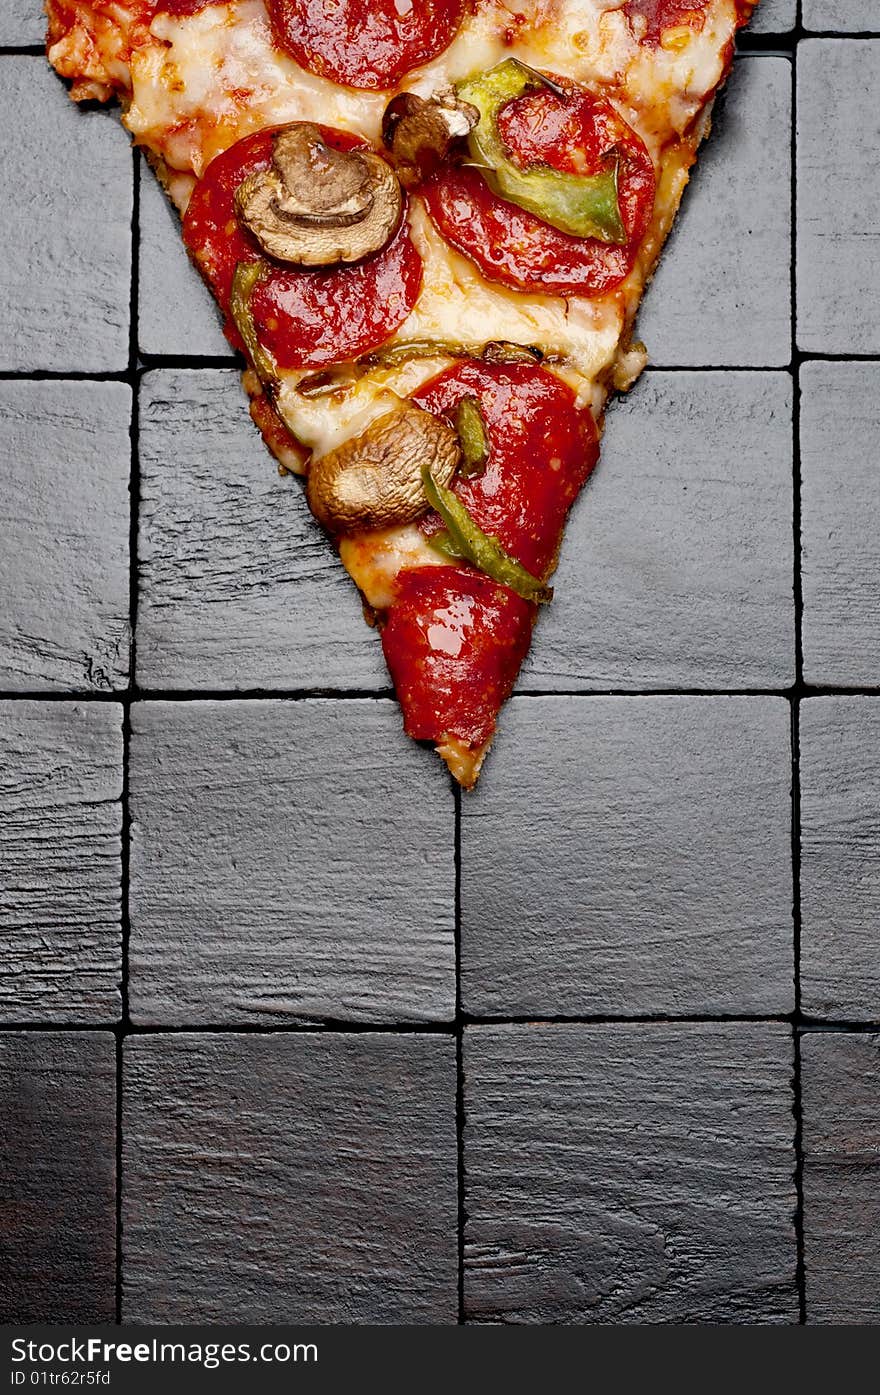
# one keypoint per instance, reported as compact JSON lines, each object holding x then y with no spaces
{"x":458,"y":305}
{"x":373,"y":560}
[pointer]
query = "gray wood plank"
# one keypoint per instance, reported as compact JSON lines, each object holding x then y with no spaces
{"x":840,"y":529}
{"x":842,"y":16}
{"x":722,"y":292}
{"x":58,"y":1177}
{"x":60,"y":888}
{"x":66,"y":188}
{"x":838,"y":219}
{"x":841,"y":1105}
{"x":630,"y":856}
{"x":840,"y":855}
{"x":239,"y":586}
{"x":64,"y":465}
{"x":774,"y":17}
{"x":290,"y":861}
{"x":22,"y":22}
{"x":676,"y":569}
{"x":176,"y":313}
{"x":629,"y":1174}
{"x":291,"y":1177}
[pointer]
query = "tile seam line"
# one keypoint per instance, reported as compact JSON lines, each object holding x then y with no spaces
{"x":439,"y":1028}
{"x":127,"y":699}
{"x":797,"y":694}
{"x":176,"y":697}
{"x":461,"y":1214}
{"x":803,"y":1026}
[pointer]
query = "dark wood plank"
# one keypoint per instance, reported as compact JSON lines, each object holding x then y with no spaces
{"x":840,"y":854}
{"x":677,"y":562}
{"x":840,"y":522}
{"x":239,"y":588}
{"x":57,"y":1177}
{"x":60,"y":868}
{"x":841,"y":1103}
{"x":290,"y":861}
{"x":722,"y":292}
{"x":838,"y":291}
{"x":64,"y":576}
{"x":629,"y":1174}
{"x":631,"y":855}
{"x":65,"y":283}
{"x":292,"y":1177}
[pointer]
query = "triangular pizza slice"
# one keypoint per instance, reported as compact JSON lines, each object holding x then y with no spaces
{"x":428,"y":225}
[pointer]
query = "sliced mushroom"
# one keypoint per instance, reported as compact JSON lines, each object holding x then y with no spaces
{"x":375,"y":479}
{"x":317,"y":206}
{"x":420,"y":132}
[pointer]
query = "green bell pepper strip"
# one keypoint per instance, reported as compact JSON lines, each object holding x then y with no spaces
{"x":244,"y":279}
{"x":471,"y":437}
{"x":465,"y":540}
{"x":580,"y":205}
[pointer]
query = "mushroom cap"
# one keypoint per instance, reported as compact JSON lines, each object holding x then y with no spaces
{"x":375,"y":479}
{"x":318,"y":206}
{"x":419,"y":132}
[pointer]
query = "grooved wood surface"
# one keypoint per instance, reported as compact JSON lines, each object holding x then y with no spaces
{"x":676,"y":569}
{"x":60,"y":870}
{"x":840,"y":857}
{"x":631,"y":856}
{"x":842,"y":1177}
{"x":629,"y":1173}
{"x":840,"y":522}
{"x":290,"y":1178}
{"x":64,"y":564}
{"x":57,"y":1177}
{"x":290,"y":862}
{"x":238,"y":586}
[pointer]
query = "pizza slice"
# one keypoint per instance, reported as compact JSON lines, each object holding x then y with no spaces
{"x":428,"y":225}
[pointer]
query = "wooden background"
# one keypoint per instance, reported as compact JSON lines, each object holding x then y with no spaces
{"x":291,"y":1031}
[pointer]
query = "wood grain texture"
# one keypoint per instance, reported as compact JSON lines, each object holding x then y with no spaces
{"x":629,"y":1174}
{"x":840,"y":522}
{"x":676,"y":569}
{"x":57,"y":1177}
{"x":60,"y":888}
{"x":774,"y":17}
{"x":840,"y":857}
{"x":64,"y":294}
{"x":290,"y":861}
{"x":838,"y":205}
{"x":629,"y":856}
{"x":64,"y":515}
{"x":291,"y":1178}
{"x":841,"y":16}
{"x":841,"y":1095}
{"x":22,"y":22}
{"x":239,"y":586}
{"x":176,"y":312}
{"x":722,"y":293}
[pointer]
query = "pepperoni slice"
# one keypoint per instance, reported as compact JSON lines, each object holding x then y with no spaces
{"x":454,"y":639}
{"x":653,"y":16}
{"x":365,"y":43}
{"x":542,"y":447}
{"x":575,"y":135}
{"x":307,"y":319}
{"x":181,"y":9}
